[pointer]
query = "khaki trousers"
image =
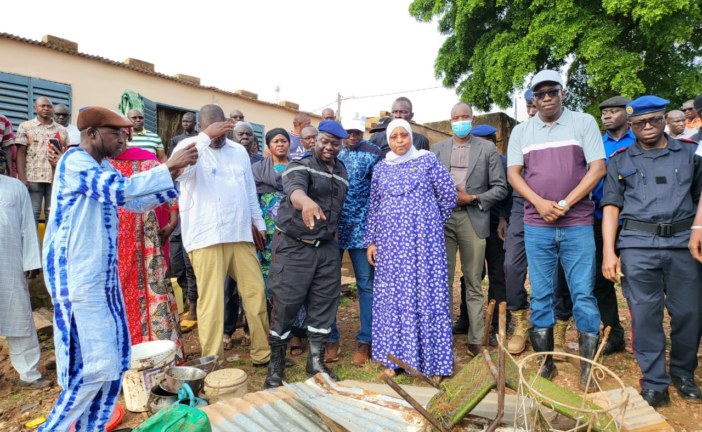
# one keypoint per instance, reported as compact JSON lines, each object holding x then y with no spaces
{"x":460,"y":236}
{"x":211,"y":265}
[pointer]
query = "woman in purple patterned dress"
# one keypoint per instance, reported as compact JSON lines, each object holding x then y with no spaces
{"x":412,"y":196}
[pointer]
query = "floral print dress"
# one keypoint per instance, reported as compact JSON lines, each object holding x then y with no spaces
{"x":410,"y":202}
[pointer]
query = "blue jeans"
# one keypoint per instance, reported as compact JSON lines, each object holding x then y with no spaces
{"x":364,"y":283}
{"x":574,"y":248}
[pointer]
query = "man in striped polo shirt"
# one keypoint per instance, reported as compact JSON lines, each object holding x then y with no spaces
{"x":554,"y":161}
{"x":144,"y":139}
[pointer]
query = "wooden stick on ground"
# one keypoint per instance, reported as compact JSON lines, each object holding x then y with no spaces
{"x":413,"y":371}
{"x":502,"y":330}
{"x":416,"y":405}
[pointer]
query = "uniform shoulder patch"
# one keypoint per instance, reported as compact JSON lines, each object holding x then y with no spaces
{"x":687,"y":140}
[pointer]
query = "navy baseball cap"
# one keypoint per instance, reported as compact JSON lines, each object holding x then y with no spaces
{"x":646,"y":104}
{"x":483,"y":130}
{"x":334,"y":128}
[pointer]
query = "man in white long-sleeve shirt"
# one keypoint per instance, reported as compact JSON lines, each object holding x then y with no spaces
{"x":221,"y":221}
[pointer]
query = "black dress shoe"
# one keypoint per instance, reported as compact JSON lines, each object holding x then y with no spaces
{"x":687,"y":389}
{"x":655,"y":398}
{"x":460,"y":327}
{"x":615,"y":346}
{"x":492,"y":339}
{"x":474,"y":349}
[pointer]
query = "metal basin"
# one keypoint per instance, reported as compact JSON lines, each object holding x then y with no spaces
{"x":179,"y":375}
{"x":208,"y":364}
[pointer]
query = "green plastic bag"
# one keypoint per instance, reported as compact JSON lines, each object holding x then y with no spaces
{"x":177,"y":418}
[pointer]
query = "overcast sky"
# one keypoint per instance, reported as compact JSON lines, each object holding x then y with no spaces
{"x":311,"y":50}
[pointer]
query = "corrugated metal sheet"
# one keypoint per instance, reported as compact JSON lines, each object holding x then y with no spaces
{"x":316,"y":405}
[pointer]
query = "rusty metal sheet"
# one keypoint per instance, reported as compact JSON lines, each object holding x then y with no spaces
{"x":316,"y":405}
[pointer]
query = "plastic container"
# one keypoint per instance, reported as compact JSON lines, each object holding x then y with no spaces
{"x":226,"y":384}
{"x":149,"y":362}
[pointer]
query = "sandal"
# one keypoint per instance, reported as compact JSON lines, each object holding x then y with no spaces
{"x":246,"y":340}
{"x":297,"y":347}
{"x":227,"y":342}
{"x":187,"y":326}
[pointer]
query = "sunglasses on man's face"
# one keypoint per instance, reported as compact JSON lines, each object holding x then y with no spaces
{"x":137,"y":118}
{"x":551,"y":93}
{"x":688,"y":109}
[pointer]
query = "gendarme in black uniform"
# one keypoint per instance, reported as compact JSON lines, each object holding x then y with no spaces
{"x":656,"y":191}
{"x":306,"y":266}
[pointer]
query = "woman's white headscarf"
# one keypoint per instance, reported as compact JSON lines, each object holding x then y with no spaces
{"x":393,"y":158}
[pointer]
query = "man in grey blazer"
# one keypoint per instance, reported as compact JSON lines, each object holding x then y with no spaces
{"x":477,"y":172}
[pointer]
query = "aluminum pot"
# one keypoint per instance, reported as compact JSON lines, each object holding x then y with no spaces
{"x":208,"y":364}
{"x":160,"y":398}
{"x":179,"y":375}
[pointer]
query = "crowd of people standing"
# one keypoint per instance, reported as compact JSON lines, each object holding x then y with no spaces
{"x":264,"y":235}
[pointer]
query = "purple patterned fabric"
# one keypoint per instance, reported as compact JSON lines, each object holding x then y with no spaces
{"x":410,"y":203}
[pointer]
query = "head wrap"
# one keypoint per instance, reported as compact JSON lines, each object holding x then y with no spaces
{"x":393,"y":158}
{"x":274,"y":132}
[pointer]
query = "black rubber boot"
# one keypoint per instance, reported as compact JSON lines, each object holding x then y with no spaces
{"x":315,"y":360}
{"x":588,"y":347}
{"x":542,"y":340}
{"x":276,"y":366}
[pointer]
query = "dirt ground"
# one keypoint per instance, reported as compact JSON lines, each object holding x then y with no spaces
{"x":17,"y":406}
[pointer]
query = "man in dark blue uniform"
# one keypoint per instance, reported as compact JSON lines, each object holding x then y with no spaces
{"x":617,"y":136}
{"x":306,"y":267}
{"x":654,"y":186}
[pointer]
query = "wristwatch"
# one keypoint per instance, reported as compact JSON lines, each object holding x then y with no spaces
{"x":475,"y":200}
{"x":563,"y":203}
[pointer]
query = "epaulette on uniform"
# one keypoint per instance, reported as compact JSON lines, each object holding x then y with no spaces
{"x":621,"y":150}
{"x":687,"y":140}
{"x":304,"y":155}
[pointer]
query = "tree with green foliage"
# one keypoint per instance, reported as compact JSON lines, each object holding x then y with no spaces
{"x":608,"y":47}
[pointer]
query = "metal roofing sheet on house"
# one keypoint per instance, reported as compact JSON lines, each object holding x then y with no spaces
{"x":316,"y":405}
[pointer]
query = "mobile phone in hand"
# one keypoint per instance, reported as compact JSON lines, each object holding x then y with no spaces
{"x":56,"y":143}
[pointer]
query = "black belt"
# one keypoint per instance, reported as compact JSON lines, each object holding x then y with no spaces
{"x":662,"y":230}
{"x":306,"y":242}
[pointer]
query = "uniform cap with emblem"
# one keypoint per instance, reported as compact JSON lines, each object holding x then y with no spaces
{"x":615,"y":102}
{"x":646,"y":104}
{"x":334,"y":128}
{"x":96,"y":116}
{"x":483,"y":130}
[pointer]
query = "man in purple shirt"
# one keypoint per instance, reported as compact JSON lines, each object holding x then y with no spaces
{"x":554,"y":161}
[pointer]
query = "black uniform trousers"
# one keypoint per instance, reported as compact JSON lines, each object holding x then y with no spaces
{"x":301,"y":274}
{"x":605,"y":293}
{"x":515,"y":267}
{"x":654,"y":278}
{"x":181,"y":268}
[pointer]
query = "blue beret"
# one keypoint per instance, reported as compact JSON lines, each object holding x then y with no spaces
{"x":529,"y":95}
{"x":483,"y":130}
{"x":645,"y":104}
{"x":333,"y":127}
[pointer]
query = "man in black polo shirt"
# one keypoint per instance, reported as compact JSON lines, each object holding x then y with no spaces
{"x":306,"y":267}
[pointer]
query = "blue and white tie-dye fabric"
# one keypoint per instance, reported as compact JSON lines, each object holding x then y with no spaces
{"x":80,"y":262}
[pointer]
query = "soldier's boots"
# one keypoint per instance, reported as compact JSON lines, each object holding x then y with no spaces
{"x":517,"y":343}
{"x":276,"y":367}
{"x":559,"y":336}
{"x":315,"y":361}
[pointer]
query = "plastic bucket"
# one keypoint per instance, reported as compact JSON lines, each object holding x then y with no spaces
{"x":149,"y":362}
{"x":226,"y":384}
{"x":178,"y":293}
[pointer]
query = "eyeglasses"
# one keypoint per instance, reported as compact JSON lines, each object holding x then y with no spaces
{"x":551,"y":93}
{"x":137,"y":118}
{"x":653,"y":121}
{"x":238,"y":117}
{"x":688,"y":109}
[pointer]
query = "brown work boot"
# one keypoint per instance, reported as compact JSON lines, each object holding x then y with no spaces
{"x":362,"y":354}
{"x":331,"y":352}
{"x":559,"y":336}
{"x":517,"y":343}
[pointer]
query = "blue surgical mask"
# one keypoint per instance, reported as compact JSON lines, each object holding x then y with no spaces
{"x":462,"y":128}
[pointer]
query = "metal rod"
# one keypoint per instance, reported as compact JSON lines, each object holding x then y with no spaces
{"x":488,"y":321}
{"x":416,"y":405}
{"x":413,"y":371}
{"x":502,"y":331}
